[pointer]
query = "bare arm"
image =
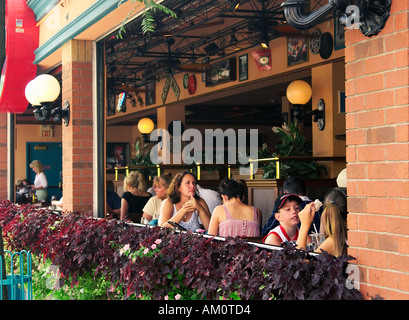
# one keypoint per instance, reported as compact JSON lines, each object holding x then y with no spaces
{"x":306,"y":217}
{"x":124,"y":209}
{"x":214,"y":222}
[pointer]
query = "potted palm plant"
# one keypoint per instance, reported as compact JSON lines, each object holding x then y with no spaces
{"x":292,"y":143}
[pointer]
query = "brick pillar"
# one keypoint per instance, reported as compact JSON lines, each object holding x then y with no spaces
{"x":77,"y":137}
{"x":377,"y":128}
{"x":3,"y":156}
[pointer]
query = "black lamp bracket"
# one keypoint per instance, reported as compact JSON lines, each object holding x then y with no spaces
{"x":369,"y":15}
{"x":318,"y":115}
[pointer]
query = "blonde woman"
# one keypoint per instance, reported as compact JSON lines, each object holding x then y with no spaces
{"x":152,"y":208}
{"x":134,"y":198}
{"x":40,"y":181}
{"x":333,"y":223}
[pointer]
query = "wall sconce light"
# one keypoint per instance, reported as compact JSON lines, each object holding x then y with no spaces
{"x":299,"y":92}
{"x":41,"y":93}
{"x":145,"y":126}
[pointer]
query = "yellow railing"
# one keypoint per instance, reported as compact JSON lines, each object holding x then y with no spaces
{"x":159,"y":168}
{"x":199,"y":166}
{"x":279,"y":159}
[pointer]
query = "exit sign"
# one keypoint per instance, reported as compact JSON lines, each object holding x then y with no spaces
{"x":46,"y":131}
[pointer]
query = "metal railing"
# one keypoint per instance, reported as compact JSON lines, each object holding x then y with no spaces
{"x":280,"y":159}
{"x":159,"y":168}
{"x":199,"y":166}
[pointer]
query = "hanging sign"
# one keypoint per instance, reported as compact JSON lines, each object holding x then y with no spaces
{"x":170,"y":83}
{"x":262,"y":59}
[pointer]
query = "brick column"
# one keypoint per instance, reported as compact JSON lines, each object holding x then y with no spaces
{"x":77,"y":137}
{"x":377,"y":128}
{"x":3,"y":156}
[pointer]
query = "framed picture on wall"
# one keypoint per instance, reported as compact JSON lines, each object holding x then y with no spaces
{"x":111,"y":105}
{"x":150,"y":94}
{"x":117,"y":154}
{"x":243,"y":67}
{"x":297,"y":50}
{"x":339,"y":35}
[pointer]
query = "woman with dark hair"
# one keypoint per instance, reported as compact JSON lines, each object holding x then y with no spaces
{"x":183,"y":205}
{"x":234,"y":218}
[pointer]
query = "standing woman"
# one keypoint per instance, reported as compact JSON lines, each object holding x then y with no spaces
{"x":40,"y":181}
{"x":183,"y":205}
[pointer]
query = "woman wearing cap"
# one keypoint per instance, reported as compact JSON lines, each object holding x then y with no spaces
{"x":333,"y":221}
{"x":286,"y":209}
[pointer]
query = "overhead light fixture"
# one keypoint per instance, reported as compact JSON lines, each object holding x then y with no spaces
{"x":299,"y":92}
{"x":212,"y":48}
{"x":145,"y":126}
{"x":233,"y":39}
{"x":234,"y":4}
{"x":264,"y":39}
{"x":41,"y":93}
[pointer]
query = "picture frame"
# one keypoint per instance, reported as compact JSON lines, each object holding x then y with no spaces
{"x":150,"y":94}
{"x":111,"y":106}
{"x":205,"y":61}
{"x":339,"y":34}
{"x":297,"y":50}
{"x":243,"y":67}
{"x":117,"y":154}
{"x":222,"y":72}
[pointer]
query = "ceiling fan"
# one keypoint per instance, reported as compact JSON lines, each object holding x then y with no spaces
{"x":172,"y":62}
{"x":267,"y":26}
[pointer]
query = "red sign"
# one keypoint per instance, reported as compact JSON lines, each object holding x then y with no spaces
{"x":18,"y":68}
{"x":262,"y":59}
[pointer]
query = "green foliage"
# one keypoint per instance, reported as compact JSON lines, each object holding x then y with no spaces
{"x":148,"y":22}
{"x":292,"y":143}
{"x":140,"y":156}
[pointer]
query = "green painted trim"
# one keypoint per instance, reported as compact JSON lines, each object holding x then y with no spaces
{"x":41,"y":7}
{"x":86,"y":19}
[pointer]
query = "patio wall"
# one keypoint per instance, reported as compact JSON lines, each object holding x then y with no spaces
{"x":378,"y":153}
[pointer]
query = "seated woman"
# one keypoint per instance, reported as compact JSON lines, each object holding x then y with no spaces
{"x":234,"y":218}
{"x":134,"y":198}
{"x":152,"y":208}
{"x":183,"y":205}
{"x":333,"y":223}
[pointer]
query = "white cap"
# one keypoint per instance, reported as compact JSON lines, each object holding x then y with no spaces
{"x":342,"y":179}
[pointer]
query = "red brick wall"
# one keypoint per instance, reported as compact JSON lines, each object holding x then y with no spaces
{"x":77,"y":137}
{"x":3,"y":156}
{"x":377,"y":128}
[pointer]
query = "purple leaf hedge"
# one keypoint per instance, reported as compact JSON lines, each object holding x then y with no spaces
{"x":142,"y":261}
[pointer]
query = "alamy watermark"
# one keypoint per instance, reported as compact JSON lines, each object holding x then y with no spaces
{"x":241,"y":146}
{"x":351,"y":19}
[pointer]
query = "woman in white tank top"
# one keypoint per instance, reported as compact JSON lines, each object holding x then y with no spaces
{"x":183,"y":205}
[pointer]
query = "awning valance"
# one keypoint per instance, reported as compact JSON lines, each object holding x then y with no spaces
{"x":22,"y":38}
